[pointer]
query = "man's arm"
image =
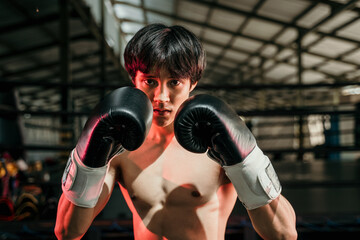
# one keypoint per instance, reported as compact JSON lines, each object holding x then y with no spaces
{"x":206,"y":123}
{"x":73,"y":221}
{"x":120,"y":121}
{"x":275,"y":220}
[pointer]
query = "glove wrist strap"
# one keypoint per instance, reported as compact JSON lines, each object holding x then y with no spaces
{"x":82,"y":185}
{"x":254,"y":179}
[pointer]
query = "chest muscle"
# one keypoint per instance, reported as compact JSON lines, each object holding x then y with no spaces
{"x":169,"y":177}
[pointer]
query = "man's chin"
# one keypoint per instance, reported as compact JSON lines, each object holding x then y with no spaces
{"x":162,"y":122}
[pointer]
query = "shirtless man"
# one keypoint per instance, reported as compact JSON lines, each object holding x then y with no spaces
{"x":172,"y":193}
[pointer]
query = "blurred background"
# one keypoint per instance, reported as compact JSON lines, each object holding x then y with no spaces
{"x":290,"y":68}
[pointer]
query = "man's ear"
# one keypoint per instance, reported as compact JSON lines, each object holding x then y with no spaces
{"x":192,"y":86}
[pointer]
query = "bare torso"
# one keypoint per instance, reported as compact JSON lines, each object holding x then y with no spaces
{"x":173,"y":193}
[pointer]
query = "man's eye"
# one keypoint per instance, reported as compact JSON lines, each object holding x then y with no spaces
{"x":150,"y":82}
{"x":174,"y":82}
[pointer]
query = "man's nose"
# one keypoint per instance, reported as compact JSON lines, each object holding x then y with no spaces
{"x":162,"y":94}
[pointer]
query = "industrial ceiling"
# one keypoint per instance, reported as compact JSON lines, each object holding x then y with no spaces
{"x":61,"y":56}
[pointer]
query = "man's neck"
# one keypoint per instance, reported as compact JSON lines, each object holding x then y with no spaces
{"x":161,"y":134}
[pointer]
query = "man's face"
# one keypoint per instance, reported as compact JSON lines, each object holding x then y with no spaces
{"x":165,"y":93}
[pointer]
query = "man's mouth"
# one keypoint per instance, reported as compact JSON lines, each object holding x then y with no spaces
{"x":162,"y":112}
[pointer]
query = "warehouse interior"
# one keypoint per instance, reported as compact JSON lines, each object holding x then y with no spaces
{"x":290,"y":69}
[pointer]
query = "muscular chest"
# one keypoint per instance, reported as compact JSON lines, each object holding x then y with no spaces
{"x":169,"y":176}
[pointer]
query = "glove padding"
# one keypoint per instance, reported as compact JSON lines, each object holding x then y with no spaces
{"x":121,"y":121}
{"x":206,"y":123}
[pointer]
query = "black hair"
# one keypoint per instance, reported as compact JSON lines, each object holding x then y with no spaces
{"x":173,"y":48}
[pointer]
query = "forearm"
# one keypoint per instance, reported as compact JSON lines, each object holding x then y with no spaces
{"x":72,"y":221}
{"x":275,"y":220}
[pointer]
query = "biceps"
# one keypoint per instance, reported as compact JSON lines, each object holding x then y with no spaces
{"x":106,"y":191}
{"x":227,"y":197}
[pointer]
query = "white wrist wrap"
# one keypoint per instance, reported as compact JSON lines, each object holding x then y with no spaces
{"x":254,"y":179}
{"x":82,"y":185}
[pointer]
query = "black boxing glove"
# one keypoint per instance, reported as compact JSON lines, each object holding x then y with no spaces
{"x":121,"y":120}
{"x":206,"y":123}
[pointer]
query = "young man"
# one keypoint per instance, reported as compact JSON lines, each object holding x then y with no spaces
{"x":173,"y":193}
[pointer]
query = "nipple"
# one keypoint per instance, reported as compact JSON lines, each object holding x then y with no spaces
{"x":195,"y":194}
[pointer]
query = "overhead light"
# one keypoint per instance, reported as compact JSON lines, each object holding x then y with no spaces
{"x":351,"y":90}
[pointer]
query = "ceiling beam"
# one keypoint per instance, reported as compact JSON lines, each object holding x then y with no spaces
{"x":270,"y":42}
{"x":47,"y":65}
{"x":36,"y":22}
{"x":233,"y":37}
{"x":339,"y":8}
{"x":303,"y":32}
{"x":41,"y":47}
{"x":85,"y":14}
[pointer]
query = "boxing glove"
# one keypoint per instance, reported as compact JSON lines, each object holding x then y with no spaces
{"x":206,"y":123}
{"x":120,"y":121}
